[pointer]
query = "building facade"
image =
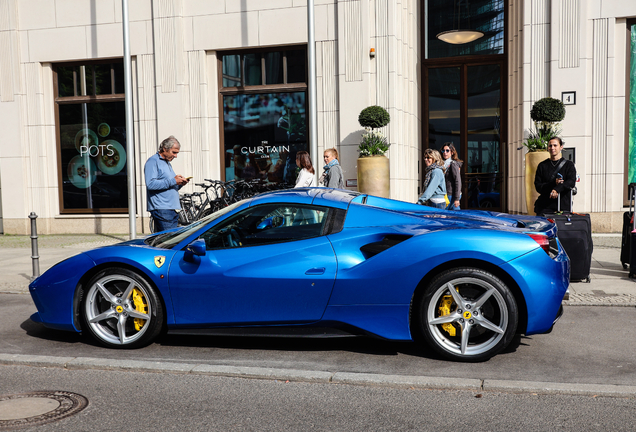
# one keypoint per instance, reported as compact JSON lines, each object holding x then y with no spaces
{"x":228,"y":78}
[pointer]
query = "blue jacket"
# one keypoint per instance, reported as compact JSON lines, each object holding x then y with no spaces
{"x":436,"y":187}
{"x":163,"y":191}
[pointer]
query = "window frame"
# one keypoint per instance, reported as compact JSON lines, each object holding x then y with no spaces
{"x":256,"y":89}
{"x":71,"y":100}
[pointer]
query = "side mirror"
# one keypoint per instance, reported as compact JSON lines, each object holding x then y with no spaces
{"x":271,"y":222}
{"x":266,"y":224}
{"x":197,"y":248}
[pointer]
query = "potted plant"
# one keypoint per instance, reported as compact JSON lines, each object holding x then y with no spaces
{"x":373,"y":165}
{"x":546,"y":114}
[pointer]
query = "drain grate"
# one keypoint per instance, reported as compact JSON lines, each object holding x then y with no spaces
{"x":38,"y":408}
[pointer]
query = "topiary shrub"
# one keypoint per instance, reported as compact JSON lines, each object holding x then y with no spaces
{"x":546,"y":114}
{"x":548,"y":110}
{"x":374,"y":117}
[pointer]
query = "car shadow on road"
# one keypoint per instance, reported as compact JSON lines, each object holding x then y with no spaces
{"x":359,"y":344}
{"x":37,"y":330}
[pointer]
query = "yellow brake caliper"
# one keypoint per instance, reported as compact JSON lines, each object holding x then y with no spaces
{"x":140,"y":306}
{"x":445,"y":309}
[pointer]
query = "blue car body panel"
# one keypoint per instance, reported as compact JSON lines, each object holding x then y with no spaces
{"x":328,"y":279}
{"x":52,"y":291}
{"x":254,"y":285}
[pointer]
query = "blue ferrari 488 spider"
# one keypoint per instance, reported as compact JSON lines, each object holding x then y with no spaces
{"x":462,"y":282}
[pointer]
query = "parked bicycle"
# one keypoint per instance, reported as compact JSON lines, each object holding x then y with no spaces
{"x":216,"y":195}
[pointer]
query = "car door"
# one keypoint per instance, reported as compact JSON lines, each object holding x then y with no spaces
{"x":270,"y":263}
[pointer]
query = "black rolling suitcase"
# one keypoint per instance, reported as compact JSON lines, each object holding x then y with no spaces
{"x":574,"y":231}
{"x":628,"y":227}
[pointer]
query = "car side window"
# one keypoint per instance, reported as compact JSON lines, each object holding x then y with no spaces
{"x":267,"y":224}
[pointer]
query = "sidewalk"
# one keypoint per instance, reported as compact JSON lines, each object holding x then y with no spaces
{"x":610,"y":284}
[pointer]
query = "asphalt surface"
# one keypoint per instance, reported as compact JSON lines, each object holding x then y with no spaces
{"x":610,"y":286}
{"x":124,"y":400}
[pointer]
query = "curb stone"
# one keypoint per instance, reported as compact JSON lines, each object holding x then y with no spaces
{"x":350,"y":378}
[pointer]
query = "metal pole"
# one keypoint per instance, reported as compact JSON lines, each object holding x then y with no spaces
{"x":313,"y":104}
{"x":130,"y":140}
{"x":35,"y":257}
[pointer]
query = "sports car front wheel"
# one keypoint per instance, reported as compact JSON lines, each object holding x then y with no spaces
{"x":467,"y":314}
{"x":121,"y":310}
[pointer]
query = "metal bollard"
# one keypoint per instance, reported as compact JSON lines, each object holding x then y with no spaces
{"x":35,"y":258}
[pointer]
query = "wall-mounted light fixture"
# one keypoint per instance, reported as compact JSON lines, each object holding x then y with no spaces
{"x":372,"y":52}
{"x":460,"y":36}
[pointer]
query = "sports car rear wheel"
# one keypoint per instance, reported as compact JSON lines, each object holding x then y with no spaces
{"x":467,"y":314}
{"x":121,"y":310}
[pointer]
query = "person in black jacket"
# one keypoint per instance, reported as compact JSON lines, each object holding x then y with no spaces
{"x":452,"y":164}
{"x":555,"y":178}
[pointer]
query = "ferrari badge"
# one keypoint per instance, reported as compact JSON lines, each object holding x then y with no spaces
{"x":159,"y":260}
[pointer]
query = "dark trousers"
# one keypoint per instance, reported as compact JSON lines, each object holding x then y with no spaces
{"x":164,"y":219}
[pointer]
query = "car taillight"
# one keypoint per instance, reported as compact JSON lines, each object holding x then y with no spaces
{"x":548,"y":244}
{"x":543,"y":241}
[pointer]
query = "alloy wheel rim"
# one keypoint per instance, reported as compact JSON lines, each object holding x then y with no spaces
{"x":478,"y":313}
{"x":111,"y":311}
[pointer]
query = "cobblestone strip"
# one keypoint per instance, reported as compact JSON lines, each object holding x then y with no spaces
{"x":595,"y":300}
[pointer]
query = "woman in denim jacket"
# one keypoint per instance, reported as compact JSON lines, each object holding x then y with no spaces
{"x":434,"y":182}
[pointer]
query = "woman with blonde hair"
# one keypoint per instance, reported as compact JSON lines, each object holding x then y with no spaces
{"x":332,"y":177}
{"x":434,"y":182}
{"x":306,"y":177}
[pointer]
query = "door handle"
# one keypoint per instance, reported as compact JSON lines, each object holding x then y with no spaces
{"x":315,"y":271}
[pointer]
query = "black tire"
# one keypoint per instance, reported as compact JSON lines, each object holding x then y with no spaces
{"x":472,"y":323}
{"x":152,"y":224}
{"x":205,"y":213}
{"x":120,"y":309}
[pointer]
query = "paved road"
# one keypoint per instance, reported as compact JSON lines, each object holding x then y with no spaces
{"x":174,"y":402}
{"x":590,"y":345}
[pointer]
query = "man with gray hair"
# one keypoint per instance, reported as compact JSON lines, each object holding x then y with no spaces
{"x":163,"y":185}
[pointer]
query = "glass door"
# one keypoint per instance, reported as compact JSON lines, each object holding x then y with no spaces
{"x":463,"y":106}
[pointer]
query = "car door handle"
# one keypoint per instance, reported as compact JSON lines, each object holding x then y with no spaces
{"x":315,"y":271}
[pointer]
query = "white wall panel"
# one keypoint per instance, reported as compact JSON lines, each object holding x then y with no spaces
{"x":599,"y":119}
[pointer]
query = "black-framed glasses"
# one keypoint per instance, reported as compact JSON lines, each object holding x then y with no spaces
{"x":446,"y":151}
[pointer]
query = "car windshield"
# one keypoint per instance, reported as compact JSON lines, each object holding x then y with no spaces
{"x":171,"y":239}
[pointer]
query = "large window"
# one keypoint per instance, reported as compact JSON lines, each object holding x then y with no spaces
{"x":464,"y":108}
{"x":465,"y":94}
{"x":91,"y":137}
{"x":486,"y":16}
{"x":264,"y":104}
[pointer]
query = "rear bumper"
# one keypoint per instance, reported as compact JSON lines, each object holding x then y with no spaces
{"x":543,"y":282}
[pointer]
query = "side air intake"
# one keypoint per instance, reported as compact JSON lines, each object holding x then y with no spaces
{"x":390,"y":240}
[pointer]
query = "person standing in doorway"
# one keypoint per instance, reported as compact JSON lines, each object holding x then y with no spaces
{"x":452,"y":165}
{"x":163,"y":185}
{"x":554,"y":179}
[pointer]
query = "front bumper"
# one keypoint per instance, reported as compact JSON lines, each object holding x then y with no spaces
{"x":54,"y":293}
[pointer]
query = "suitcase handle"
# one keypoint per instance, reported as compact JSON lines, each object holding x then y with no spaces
{"x":571,"y":203}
